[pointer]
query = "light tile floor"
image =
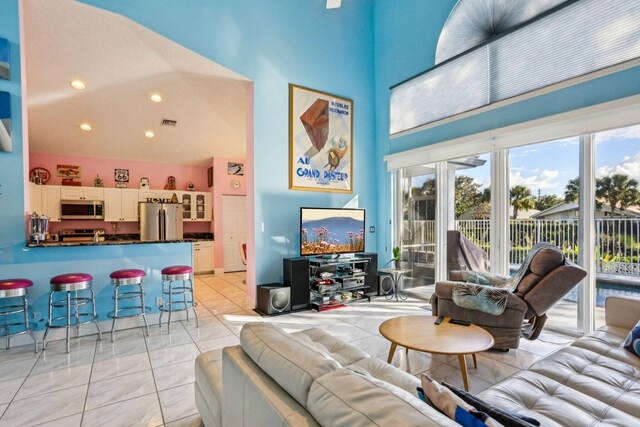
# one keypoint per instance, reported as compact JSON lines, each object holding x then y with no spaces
{"x":148,"y":381}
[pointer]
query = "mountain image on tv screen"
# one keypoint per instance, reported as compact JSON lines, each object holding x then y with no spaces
{"x":331,"y":231}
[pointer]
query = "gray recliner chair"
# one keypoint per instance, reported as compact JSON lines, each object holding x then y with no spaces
{"x":546,"y":278}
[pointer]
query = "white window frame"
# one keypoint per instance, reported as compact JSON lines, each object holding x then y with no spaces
{"x":582,"y":122}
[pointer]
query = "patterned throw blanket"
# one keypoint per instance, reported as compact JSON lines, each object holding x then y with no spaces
{"x":489,"y":293}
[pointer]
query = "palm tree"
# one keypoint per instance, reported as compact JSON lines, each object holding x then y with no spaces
{"x":618,"y":189}
{"x":572,"y":190}
{"x":521,"y":199}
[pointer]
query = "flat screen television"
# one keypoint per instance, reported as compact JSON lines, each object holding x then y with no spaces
{"x":325,"y":231}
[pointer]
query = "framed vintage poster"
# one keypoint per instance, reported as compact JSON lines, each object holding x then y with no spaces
{"x":320,"y":141}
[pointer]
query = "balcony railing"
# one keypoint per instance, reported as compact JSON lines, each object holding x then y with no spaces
{"x":617,"y":240}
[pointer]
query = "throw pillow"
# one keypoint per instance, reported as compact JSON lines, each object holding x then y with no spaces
{"x":506,"y":418}
{"x":632,"y":343}
{"x":455,"y":408}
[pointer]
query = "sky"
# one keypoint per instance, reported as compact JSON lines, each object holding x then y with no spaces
{"x":550,"y":165}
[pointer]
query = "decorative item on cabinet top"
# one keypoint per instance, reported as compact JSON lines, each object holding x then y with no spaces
{"x":144,"y":183}
{"x":98,"y":182}
{"x":121,"y":175}
{"x":171,"y":183}
{"x":39,"y":176}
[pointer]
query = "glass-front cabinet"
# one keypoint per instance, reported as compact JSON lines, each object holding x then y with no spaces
{"x":196,"y":206}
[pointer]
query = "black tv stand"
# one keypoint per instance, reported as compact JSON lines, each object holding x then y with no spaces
{"x":332,"y":256}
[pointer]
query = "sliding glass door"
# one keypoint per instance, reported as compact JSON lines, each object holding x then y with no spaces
{"x":417,"y":234}
{"x":543,"y":184}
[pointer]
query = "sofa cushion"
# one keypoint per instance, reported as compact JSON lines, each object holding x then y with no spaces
{"x":343,"y":353}
{"x":208,"y":375}
{"x":292,"y":363}
{"x":344,"y":398}
{"x":553,"y":404}
{"x":386,"y":372}
{"x":608,"y":341}
{"x":610,"y":381}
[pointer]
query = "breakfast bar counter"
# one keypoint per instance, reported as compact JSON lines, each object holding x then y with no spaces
{"x":124,"y":240}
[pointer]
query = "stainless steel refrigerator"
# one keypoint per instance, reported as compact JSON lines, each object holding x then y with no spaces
{"x":160,"y":221}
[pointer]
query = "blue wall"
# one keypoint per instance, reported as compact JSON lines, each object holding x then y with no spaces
{"x":406,"y":37}
{"x":273,"y":43}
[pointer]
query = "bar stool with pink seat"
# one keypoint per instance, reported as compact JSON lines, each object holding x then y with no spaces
{"x":71,"y":284}
{"x":173,"y":274}
{"x":129,"y":278}
{"x":10,"y":289}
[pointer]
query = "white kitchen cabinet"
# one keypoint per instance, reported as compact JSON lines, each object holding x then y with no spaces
{"x":196,"y":206}
{"x":120,"y":205}
{"x":81,"y":193}
{"x":203,"y":257}
{"x":51,"y":202}
{"x":35,"y":199}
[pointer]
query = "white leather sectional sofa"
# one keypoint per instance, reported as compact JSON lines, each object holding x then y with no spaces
{"x":310,"y":378}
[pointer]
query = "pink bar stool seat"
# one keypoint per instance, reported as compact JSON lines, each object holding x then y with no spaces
{"x":71,"y":278}
{"x":177,"y":269}
{"x":10,"y":290}
{"x":127,"y":274}
{"x":8,"y":284}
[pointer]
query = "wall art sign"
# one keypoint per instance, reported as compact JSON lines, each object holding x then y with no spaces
{"x":122,"y":175}
{"x":5,"y":122}
{"x":4,"y":59}
{"x":235,"y":168}
{"x":320,"y":141}
{"x":210,"y":176}
{"x":69,"y":171}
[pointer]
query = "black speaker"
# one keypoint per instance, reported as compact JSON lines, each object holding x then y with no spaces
{"x":385,"y":284}
{"x":296,"y":276}
{"x":371,"y":279}
{"x":273,"y":298}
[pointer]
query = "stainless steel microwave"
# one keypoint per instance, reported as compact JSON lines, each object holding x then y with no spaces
{"x":82,"y":209}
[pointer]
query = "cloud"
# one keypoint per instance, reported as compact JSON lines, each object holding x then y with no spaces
{"x":546,"y":180}
{"x":628,"y":166}
{"x":614,"y":135}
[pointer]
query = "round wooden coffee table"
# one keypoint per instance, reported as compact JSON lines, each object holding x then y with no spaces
{"x":421,"y":334}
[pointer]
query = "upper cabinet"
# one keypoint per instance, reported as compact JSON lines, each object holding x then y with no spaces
{"x":196,"y":205}
{"x":81,"y":193}
{"x":45,"y":200}
{"x":120,"y":205}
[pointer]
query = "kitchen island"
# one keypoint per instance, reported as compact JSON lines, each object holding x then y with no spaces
{"x":124,"y":239}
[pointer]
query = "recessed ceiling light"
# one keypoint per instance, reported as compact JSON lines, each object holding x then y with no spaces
{"x":77,"y":84}
{"x":156,"y":98}
{"x":149,"y":134}
{"x":85,"y":126}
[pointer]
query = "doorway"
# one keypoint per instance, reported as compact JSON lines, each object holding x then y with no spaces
{"x":234,"y":231}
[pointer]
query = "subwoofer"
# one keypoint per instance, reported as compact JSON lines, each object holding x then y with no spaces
{"x":385,"y":284}
{"x":273,"y":298}
{"x":296,"y":276}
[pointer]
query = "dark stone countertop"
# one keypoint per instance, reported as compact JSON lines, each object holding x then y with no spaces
{"x":125,"y":239}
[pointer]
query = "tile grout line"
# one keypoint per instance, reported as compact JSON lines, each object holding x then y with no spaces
{"x":86,"y":396}
{"x":155,"y":384}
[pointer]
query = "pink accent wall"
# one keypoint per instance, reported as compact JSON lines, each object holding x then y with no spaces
{"x":90,"y":167}
{"x":222,"y":186}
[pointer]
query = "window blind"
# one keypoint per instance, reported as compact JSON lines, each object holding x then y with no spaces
{"x":578,"y":39}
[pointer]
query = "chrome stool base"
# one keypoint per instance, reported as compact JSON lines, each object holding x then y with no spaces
{"x":72,"y":305}
{"x":9,"y":310}
{"x":124,"y":296}
{"x":186,"y":303}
